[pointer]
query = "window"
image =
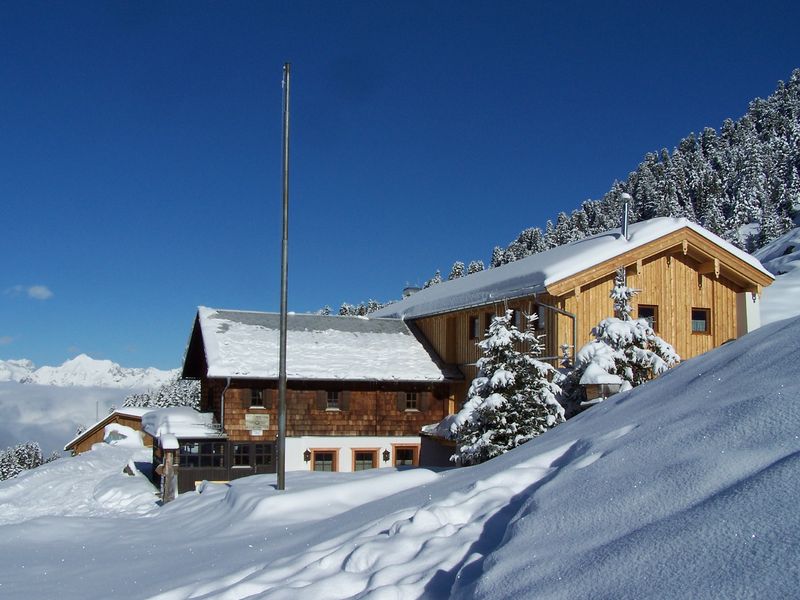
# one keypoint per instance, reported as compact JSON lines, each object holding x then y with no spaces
{"x":650,"y":314}
{"x":406,"y":456}
{"x":474,"y":328}
{"x":517,"y":319}
{"x":323,"y":460}
{"x":412,"y":402}
{"x":241,"y":455}
{"x":333,"y":401}
{"x":202,"y":454}
{"x":488,"y":318}
{"x":256,"y":397}
{"x":364,"y":459}
{"x":262,"y":454}
{"x":701,"y":320}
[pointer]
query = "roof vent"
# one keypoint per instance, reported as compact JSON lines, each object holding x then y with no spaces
{"x":626,"y":199}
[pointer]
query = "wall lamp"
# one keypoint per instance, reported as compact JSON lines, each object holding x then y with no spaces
{"x":386,"y":456}
{"x":307,"y":455}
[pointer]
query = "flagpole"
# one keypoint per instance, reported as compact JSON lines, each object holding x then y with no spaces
{"x":284,"y":285}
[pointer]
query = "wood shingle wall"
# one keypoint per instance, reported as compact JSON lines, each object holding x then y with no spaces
{"x":364,"y":410}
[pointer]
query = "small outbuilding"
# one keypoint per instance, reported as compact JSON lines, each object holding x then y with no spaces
{"x":130,"y":417}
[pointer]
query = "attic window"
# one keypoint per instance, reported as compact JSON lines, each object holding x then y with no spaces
{"x":412,"y":402}
{"x":701,"y":320}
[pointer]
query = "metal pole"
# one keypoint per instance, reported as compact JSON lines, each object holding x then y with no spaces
{"x":284,"y":281}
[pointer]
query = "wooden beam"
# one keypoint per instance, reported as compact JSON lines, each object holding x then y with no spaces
{"x":577,"y":291}
{"x":685,"y":247}
{"x":712,"y":266}
{"x":639,"y":267}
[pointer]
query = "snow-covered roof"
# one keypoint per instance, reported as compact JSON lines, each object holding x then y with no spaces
{"x":181,"y":422}
{"x":594,"y":374}
{"x":533,"y":274}
{"x":246,"y":344}
{"x":126,"y":411}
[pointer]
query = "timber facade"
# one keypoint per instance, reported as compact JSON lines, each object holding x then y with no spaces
{"x":697,"y":291}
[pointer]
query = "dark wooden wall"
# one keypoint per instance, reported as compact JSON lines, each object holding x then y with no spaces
{"x":366,"y":409}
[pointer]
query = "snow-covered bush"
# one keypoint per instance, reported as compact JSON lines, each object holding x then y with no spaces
{"x":624,"y":347}
{"x":178,"y":392}
{"x":513,"y":397}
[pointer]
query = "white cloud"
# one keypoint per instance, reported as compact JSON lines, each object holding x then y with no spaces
{"x":5,"y":340}
{"x":38,"y":292}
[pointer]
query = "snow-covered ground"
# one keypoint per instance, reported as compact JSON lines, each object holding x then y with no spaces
{"x":684,"y":487}
{"x":782,"y":258}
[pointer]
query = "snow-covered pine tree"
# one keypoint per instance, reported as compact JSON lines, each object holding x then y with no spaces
{"x":178,"y":392}
{"x":437,"y":278}
{"x":475,"y":266}
{"x":512,"y":399}
{"x":29,"y":455}
{"x":497,"y":257}
{"x":346,"y":310}
{"x":621,"y":294}
{"x":457,"y":270}
{"x":9,"y":465}
{"x":625,"y":347}
{"x":22,"y":457}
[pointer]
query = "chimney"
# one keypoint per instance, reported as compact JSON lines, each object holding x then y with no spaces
{"x":626,"y":199}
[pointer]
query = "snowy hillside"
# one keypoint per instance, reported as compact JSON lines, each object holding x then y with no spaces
{"x":782,"y":259}
{"x":84,"y":371}
{"x":682,"y":488}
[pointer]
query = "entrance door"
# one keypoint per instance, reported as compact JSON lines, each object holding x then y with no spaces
{"x":251,"y":458}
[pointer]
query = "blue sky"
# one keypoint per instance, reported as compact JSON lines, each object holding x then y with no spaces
{"x":141,"y":145}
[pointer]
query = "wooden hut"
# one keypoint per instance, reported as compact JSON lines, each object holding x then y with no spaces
{"x":128,"y":417}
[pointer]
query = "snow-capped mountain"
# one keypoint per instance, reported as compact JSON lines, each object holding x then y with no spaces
{"x":84,"y":371}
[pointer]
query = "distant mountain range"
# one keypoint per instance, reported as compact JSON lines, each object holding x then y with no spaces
{"x":85,"y":371}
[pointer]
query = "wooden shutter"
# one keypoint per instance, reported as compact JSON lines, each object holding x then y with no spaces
{"x":344,"y":400}
{"x":422,"y":401}
{"x":401,"y":401}
{"x":322,"y":399}
{"x":270,"y":398}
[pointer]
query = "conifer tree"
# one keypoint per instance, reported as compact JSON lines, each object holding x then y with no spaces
{"x":625,"y":347}
{"x":457,"y":270}
{"x":475,"y":266}
{"x":437,"y":278}
{"x":177,"y":392}
{"x":512,"y":399}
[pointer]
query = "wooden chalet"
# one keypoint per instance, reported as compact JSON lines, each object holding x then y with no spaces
{"x":128,"y":417}
{"x":698,"y":291}
{"x":358,"y":390}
